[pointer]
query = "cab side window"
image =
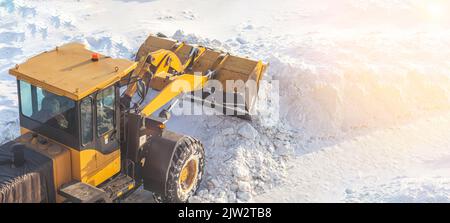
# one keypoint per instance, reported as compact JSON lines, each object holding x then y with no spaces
{"x":26,"y":99}
{"x":86,"y":121}
{"x":47,"y":108}
{"x":105,"y":110}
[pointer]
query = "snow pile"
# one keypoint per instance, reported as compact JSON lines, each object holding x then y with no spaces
{"x":243,"y":158}
{"x":338,"y":83}
{"x":404,"y":190}
{"x":334,"y":84}
{"x":241,"y":161}
{"x":239,"y":167}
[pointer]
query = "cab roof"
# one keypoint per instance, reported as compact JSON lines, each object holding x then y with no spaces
{"x":69,"y":71}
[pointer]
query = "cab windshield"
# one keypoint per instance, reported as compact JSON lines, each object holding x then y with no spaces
{"x":47,"y":108}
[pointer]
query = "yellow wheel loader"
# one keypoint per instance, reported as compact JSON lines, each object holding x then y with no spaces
{"x":93,"y":128}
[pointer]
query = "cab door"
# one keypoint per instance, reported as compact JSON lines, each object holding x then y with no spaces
{"x":107,"y":139}
{"x":98,"y":159}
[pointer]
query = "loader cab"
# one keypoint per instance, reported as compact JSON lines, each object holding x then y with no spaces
{"x":48,"y":114}
{"x":70,"y":99}
{"x":84,"y":124}
{"x":88,"y":127}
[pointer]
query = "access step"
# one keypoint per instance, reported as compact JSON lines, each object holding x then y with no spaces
{"x":118,"y":186}
{"x":79,"y":192}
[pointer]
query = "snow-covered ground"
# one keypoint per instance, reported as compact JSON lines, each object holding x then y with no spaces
{"x":364,"y":89}
{"x":409,"y":163}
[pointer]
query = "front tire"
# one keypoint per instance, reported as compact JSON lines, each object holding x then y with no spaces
{"x":185,"y":172}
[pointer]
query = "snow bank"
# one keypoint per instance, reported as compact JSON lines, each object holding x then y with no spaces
{"x":333,"y":84}
{"x":241,"y":160}
{"x":244,"y":159}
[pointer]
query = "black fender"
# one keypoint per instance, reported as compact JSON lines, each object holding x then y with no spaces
{"x":159,"y":152}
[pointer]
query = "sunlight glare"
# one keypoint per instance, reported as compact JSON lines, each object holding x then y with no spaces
{"x":435,"y":9}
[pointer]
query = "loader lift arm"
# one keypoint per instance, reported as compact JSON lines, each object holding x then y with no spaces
{"x":183,"y":84}
{"x":166,"y":64}
{"x":162,"y":61}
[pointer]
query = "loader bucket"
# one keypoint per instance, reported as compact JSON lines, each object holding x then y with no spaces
{"x":234,"y":85}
